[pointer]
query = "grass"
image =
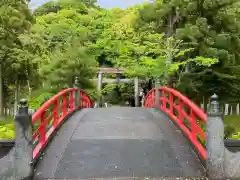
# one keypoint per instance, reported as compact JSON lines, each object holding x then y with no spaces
{"x":7,"y":128}
{"x":233,"y":121}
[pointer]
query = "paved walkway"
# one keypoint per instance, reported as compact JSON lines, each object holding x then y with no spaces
{"x":118,"y":143}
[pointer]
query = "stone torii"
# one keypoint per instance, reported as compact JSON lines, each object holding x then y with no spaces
{"x":118,"y":72}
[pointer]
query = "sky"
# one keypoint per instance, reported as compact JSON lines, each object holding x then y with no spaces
{"x":103,"y":3}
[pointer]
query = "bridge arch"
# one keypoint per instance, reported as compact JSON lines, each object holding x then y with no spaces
{"x":142,"y":139}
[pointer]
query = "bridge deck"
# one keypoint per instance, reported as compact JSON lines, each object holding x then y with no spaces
{"x":118,"y":143}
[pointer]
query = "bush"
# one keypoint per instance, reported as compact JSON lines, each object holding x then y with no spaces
{"x":37,"y":101}
{"x":7,"y":131}
{"x":229,"y":130}
{"x":236,"y":136}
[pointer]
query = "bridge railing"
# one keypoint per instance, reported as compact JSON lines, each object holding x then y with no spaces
{"x":189,"y":117}
{"x":50,"y":115}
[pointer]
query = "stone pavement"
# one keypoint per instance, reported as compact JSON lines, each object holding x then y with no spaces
{"x":121,"y":143}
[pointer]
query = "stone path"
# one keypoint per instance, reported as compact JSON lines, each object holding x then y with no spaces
{"x":120,"y":143}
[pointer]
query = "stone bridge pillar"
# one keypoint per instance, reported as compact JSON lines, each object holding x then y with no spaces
{"x":77,"y":93}
{"x":221,"y":163}
{"x":17,"y":164}
{"x":215,"y":142}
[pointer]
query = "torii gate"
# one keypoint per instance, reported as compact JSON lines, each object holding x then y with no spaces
{"x":118,"y":72}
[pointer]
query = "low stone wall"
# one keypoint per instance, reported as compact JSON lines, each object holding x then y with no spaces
{"x":5,"y":147}
{"x":232,"y":145}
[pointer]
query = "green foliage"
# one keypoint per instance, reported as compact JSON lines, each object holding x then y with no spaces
{"x":16,"y":66}
{"x":235,"y":135}
{"x":37,"y":101}
{"x":47,"y":53}
{"x":118,"y":93}
{"x":94,"y":96}
{"x":66,"y":47}
{"x":7,"y":131}
{"x":191,"y":45}
{"x":211,"y":28}
{"x":229,"y":130}
{"x":232,"y":127}
{"x":54,"y":6}
{"x":7,"y":128}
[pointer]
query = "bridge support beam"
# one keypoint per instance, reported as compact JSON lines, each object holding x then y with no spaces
{"x":17,"y":164}
{"x":221,"y":163}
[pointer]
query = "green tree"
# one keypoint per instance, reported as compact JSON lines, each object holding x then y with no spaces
{"x":81,"y":6}
{"x":140,"y":53}
{"x":66,"y":53}
{"x":211,"y":28}
{"x":16,"y":19}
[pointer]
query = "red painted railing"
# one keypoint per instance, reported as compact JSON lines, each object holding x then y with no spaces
{"x":188,"y":116}
{"x":49,"y":116}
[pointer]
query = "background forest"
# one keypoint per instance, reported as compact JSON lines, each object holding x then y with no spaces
{"x":190,"y":45}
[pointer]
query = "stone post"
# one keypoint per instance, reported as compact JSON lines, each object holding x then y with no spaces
{"x":17,"y":164}
{"x":221,"y":163}
{"x":76,"y":95}
{"x":215,"y":143}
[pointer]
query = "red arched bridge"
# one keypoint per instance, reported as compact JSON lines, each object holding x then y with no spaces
{"x":164,"y":139}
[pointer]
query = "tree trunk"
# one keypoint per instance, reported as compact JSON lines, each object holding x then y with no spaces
{"x":1,"y":92}
{"x":172,"y":20}
{"x":16,"y":98}
{"x":168,"y":63}
{"x":205,"y":103}
{"x":28,"y":84}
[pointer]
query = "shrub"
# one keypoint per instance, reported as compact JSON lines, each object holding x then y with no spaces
{"x":236,"y":136}
{"x":229,"y":130}
{"x":7,"y":131}
{"x":36,"y":102}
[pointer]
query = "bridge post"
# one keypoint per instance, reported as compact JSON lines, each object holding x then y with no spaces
{"x":157,"y":95}
{"x":76,"y":95}
{"x":17,"y":164}
{"x":215,"y":141}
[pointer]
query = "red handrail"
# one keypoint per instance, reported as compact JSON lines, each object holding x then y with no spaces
{"x":49,"y":116}
{"x":174,"y":104}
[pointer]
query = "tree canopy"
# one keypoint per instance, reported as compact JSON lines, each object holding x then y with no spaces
{"x":192,"y":45}
{"x":212,"y":29}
